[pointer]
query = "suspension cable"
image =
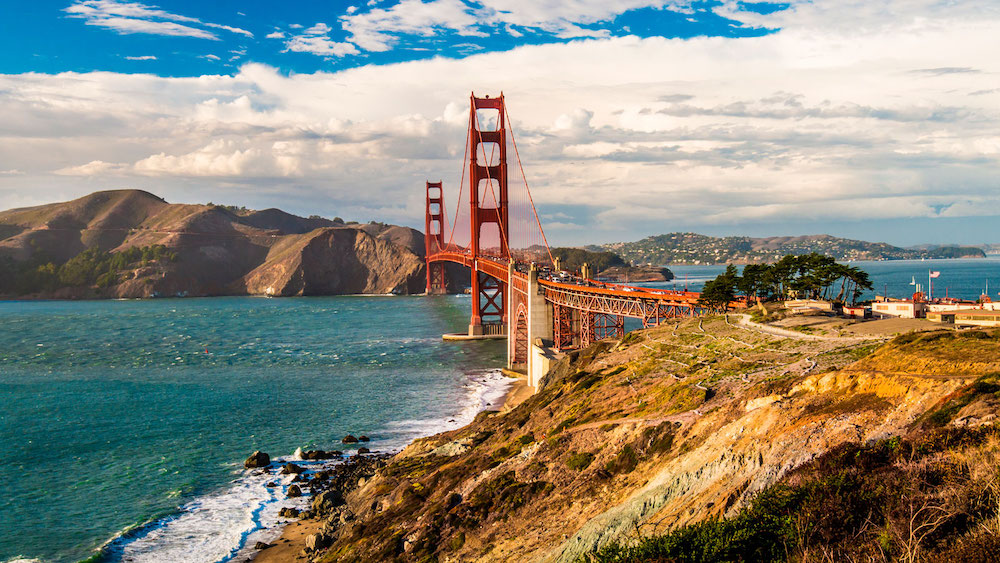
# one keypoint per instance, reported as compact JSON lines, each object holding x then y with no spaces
{"x":538,"y":221}
{"x":461,"y":185}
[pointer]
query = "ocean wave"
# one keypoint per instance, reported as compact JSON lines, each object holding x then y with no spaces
{"x":225,"y":525}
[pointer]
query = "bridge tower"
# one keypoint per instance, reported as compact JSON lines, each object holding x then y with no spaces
{"x":437,"y":282}
{"x":488,"y":206}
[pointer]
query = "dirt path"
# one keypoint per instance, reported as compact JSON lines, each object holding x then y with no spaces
{"x":744,"y":321}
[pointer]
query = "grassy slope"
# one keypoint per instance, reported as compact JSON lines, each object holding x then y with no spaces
{"x":669,"y":427}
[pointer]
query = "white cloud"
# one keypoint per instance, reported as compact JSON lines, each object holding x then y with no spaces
{"x":11,"y":172}
{"x":212,"y":57}
{"x":379,"y":29}
{"x":375,"y":29}
{"x":92,"y":168}
{"x":650,"y":135}
{"x":315,"y":40}
{"x":133,"y":17}
{"x":142,"y":58}
{"x":275,"y":35}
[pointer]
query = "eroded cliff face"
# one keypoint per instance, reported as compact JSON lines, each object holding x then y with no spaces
{"x":668,"y":427}
{"x":336,"y":260}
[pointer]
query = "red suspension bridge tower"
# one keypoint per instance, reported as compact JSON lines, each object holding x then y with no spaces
{"x":437,"y":282}
{"x":488,"y":205}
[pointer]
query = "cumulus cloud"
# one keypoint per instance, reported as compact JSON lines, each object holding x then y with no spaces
{"x":316,"y":40}
{"x":133,"y":17}
{"x":379,"y":29}
{"x":650,"y":135}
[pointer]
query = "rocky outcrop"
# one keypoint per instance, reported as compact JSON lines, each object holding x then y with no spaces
{"x":636,"y":274}
{"x":336,"y":260}
{"x":257,"y":459}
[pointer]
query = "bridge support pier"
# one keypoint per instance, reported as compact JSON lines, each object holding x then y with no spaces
{"x":540,"y":331}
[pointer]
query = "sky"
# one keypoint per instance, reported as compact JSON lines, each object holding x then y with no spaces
{"x":870,"y":119}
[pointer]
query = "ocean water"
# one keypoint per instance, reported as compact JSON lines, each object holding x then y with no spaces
{"x":962,"y":278}
{"x":124,"y":424}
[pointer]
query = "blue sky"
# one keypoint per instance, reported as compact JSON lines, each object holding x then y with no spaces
{"x":183,"y":38}
{"x":872,"y":119}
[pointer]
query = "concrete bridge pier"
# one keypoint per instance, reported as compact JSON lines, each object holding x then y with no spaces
{"x":540,"y":331}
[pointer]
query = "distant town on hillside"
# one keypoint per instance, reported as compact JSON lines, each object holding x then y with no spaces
{"x":693,"y":248}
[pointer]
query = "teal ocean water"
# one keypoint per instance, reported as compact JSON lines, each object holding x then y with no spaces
{"x":136,"y":415}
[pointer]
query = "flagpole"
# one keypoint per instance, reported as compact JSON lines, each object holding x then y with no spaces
{"x":930,"y":285}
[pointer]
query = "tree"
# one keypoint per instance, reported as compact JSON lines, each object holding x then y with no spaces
{"x":720,"y":292}
{"x":756,"y":283}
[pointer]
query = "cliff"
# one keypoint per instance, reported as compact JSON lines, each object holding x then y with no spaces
{"x":675,"y":430}
{"x":214,"y":250}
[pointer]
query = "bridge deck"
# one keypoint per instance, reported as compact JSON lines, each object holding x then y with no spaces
{"x":648,"y":304}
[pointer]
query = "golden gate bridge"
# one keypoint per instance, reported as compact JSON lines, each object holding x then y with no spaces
{"x":518,"y":290}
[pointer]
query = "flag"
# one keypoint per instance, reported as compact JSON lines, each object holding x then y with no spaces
{"x":934,"y":274}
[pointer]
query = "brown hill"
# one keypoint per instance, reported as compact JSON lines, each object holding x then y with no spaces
{"x":219,"y":250}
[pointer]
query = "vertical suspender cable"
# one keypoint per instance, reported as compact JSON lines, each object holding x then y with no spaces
{"x":526,"y":188}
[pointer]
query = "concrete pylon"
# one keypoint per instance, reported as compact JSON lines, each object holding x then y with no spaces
{"x":539,"y":331}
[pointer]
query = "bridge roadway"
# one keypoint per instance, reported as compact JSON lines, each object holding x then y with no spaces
{"x":651,"y":306}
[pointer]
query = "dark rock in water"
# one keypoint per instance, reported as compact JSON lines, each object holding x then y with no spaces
{"x":363,"y":438}
{"x":299,"y":478}
{"x":291,"y":468}
{"x":289,"y":513}
{"x":261,"y":545}
{"x":349,"y":439}
{"x":257,"y":459}
{"x":294,"y":491}
{"x":335,"y":453}
{"x":271,"y":484}
{"x":327,"y":501}
{"x":364,"y":451}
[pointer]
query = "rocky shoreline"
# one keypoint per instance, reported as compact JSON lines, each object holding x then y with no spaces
{"x":328,"y":485}
{"x":306,"y":533}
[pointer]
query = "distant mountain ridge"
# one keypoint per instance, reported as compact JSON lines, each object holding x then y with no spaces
{"x":219,"y":250}
{"x":693,"y":248}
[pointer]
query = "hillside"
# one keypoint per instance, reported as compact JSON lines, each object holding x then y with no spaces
{"x":182,"y":249}
{"x":692,"y":248}
{"x":673,"y":428}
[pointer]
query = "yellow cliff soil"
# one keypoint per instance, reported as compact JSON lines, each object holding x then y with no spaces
{"x":665,"y":428}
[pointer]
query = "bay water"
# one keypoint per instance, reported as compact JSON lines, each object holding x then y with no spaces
{"x":124,"y":424}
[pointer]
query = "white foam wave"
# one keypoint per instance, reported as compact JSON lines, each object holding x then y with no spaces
{"x":484,"y":390}
{"x":226,"y":525}
{"x":216,"y":527}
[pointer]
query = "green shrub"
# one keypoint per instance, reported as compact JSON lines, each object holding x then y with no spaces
{"x":624,"y":462}
{"x":579,"y":461}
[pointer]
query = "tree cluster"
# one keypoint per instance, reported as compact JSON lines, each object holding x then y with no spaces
{"x":92,"y":267}
{"x":813,"y":276}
